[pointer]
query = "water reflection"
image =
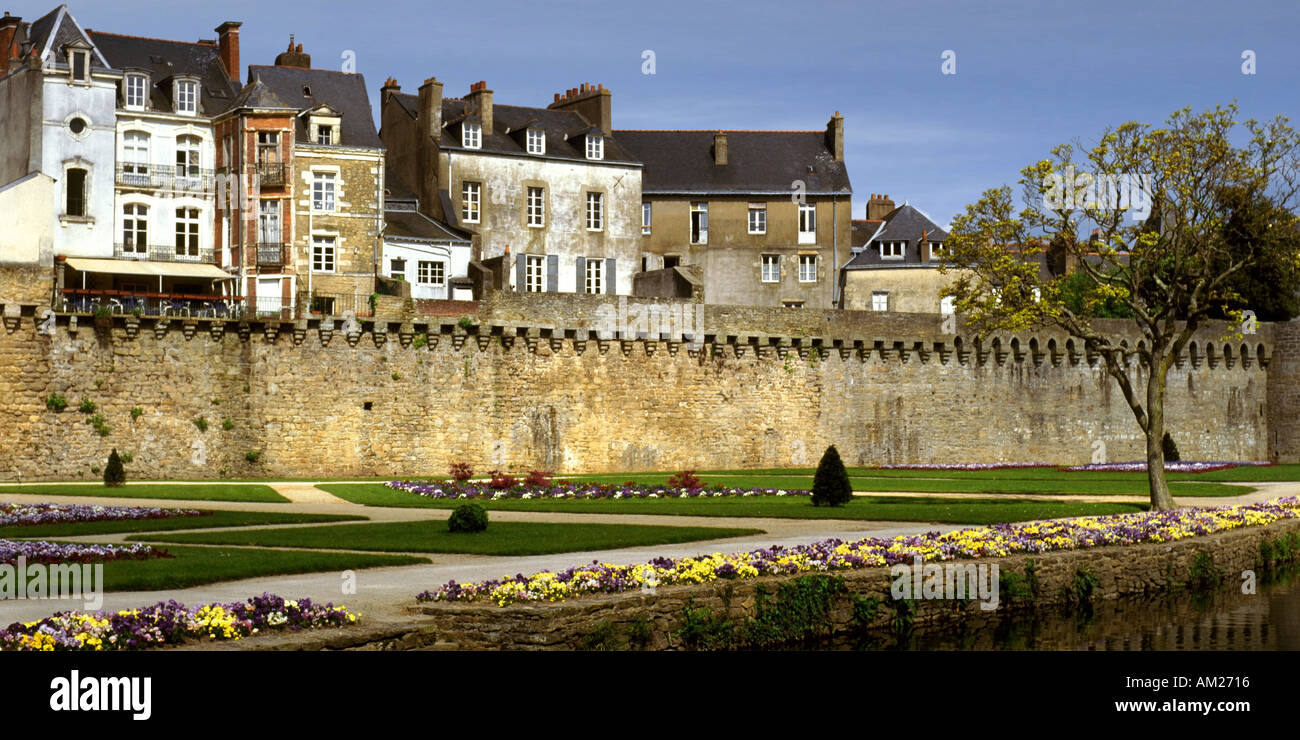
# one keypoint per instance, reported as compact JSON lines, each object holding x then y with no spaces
{"x":1222,"y":620}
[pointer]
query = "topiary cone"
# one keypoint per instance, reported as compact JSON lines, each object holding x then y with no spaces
{"x":831,"y":485}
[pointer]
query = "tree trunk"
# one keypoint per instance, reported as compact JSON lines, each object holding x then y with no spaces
{"x":1161,"y":499}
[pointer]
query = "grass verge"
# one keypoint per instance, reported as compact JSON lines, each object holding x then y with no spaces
{"x":194,"y":492}
{"x":207,"y":521}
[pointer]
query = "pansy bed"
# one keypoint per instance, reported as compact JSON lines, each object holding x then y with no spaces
{"x":25,"y":515}
{"x":833,"y":554}
{"x":171,"y":623}
{"x":575,"y":490}
{"x":48,"y":553}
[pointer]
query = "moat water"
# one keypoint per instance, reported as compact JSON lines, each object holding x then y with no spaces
{"x":1225,"y":619}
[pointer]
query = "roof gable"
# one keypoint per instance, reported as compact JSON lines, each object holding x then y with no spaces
{"x":757,"y":162}
{"x":58,"y":28}
{"x":307,"y":89}
{"x":163,"y":60}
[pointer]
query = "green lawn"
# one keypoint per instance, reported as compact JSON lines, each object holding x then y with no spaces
{"x":1244,"y":474}
{"x":871,"y":508}
{"x":500,"y":538}
{"x":189,"y":492}
{"x":208,"y":520}
{"x":1088,"y":484}
{"x":195,"y":566}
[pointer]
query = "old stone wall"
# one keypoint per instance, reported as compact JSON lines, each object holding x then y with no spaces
{"x":540,"y":389}
{"x":1120,"y":571}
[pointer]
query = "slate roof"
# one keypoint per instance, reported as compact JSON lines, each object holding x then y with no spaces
{"x":166,"y":59}
{"x":413,"y":225}
{"x":257,"y":95}
{"x":864,"y":229}
{"x":757,"y":162}
{"x":516,"y":119}
{"x":904,"y":223}
{"x":51,"y":31}
{"x":342,"y":91}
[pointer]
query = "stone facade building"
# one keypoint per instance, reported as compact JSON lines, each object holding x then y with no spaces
{"x":550,"y":195}
{"x":895,"y":262}
{"x":764,"y":216}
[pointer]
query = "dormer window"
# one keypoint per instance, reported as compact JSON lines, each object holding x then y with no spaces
{"x":137,"y":91}
{"x":892,"y":250}
{"x":79,"y":65}
{"x":595,"y":147}
{"x":536,"y":141}
{"x":471,"y":136}
{"x":325,"y":135}
{"x":938,"y":251}
{"x":186,"y":97}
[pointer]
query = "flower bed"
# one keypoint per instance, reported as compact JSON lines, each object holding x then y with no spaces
{"x":574,"y":490}
{"x":50,"y":552}
{"x":171,"y":623}
{"x":963,"y":466}
{"x":1187,"y":466}
{"x":827,"y":555}
{"x":24,"y":515}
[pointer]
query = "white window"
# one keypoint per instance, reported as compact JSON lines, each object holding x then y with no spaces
{"x":595,"y":275}
{"x":187,"y":156}
{"x":137,"y":91}
{"x":135,"y":229}
{"x":807,"y":223}
{"x":536,"y":207}
{"x":322,"y":192}
{"x":471,"y":136}
{"x":595,"y":213}
{"x":758,"y":218}
{"x":325,"y":135}
{"x":270,"y":298}
{"x":431,"y":273}
{"x":595,"y":147}
{"x":79,"y":64}
{"x":471,"y":194}
{"x":533,"y":277}
{"x":807,"y":268}
{"x":322,"y":253}
{"x":268,"y":223}
{"x":892,"y":250}
{"x":879,"y":300}
{"x":187,"y":232}
{"x":771,"y":268}
{"x":947,"y":305}
{"x":699,"y":223}
{"x":645,"y":218}
{"x":135,"y":158}
{"x":397,"y":268}
{"x":187,"y":97}
{"x":536,"y":141}
{"x":938,"y":251}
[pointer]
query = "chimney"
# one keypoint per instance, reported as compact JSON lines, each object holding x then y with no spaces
{"x":879,"y":206}
{"x":720,"y":148}
{"x":479,"y":102}
{"x":389,"y":89}
{"x":228,"y":41}
{"x":429,"y":133}
{"x":592,"y":102}
{"x":835,"y":136}
{"x":9,"y":53}
{"x":293,"y":57}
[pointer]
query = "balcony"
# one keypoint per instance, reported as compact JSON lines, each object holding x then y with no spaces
{"x":272,"y":254}
{"x":271,"y":173}
{"x":159,"y":177}
{"x":162,"y":253}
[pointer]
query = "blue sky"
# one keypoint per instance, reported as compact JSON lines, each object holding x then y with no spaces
{"x":1029,"y":73}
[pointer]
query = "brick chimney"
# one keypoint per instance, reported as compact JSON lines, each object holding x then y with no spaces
{"x":879,"y":206}
{"x":479,"y":103}
{"x":293,"y":57}
{"x":228,"y":41}
{"x":835,"y":136}
{"x":428,"y":135}
{"x":592,"y":102}
{"x":720,"y":148}
{"x":9,"y":26}
{"x":389,"y":89}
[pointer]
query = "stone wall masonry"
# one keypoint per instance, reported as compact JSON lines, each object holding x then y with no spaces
{"x":406,"y":399}
{"x":1121,"y":571}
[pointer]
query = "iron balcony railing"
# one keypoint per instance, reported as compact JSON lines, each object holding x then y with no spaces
{"x":162,"y":177}
{"x":272,"y":254}
{"x":162,"y":253}
{"x":270,"y":173}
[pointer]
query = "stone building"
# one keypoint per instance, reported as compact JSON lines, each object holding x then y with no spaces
{"x":895,"y":263}
{"x":550,"y":195}
{"x":334,"y":189}
{"x":763,"y":216}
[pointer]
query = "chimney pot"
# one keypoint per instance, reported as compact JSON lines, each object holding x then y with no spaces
{"x":228,"y":45}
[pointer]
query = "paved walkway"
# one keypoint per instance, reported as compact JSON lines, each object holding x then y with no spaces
{"x":382,"y":593}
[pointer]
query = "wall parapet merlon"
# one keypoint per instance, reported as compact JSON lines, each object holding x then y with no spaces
{"x":1037,"y":348}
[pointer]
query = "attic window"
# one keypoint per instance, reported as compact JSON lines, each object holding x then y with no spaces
{"x":156,"y":59}
{"x":471,"y":136}
{"x":325,"y":135}
{"x":186,"y":97}
{"x":137,"y":91}
{"x":79,"y":64}
{"x":892,"y":250}
{"x":306,"y":91}
{"x":595,"y":147}
{"x":536,"y":141}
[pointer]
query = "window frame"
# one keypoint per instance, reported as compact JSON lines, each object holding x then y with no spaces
{"x":81,"y":56}
{"x":270,"y":213}
{"x":324,"y":251}
{"x":647,"y":216}
{"x":532,"y":285}
{"x":428,"y":268}
{"x":887,"y":250}
{"x":770,"y":269}
{"x":535,"y":140}
{"x":807,"y":223}
{"x":471,"y":135}
{"x":322,"y":195}
{"x":879,"y":300}
{"x":593,"y":275}
{"x":326,"y":132}
{"x":143,"y":81}
{"x":137,"y":152}
{"x":186,"y":229}
{"x":135,"y":225}
{"x":471,"y":194}
{"x":595,"y":211}
{"x":759,"y":210}
{"x":699,"y":229}
{"x":938,"y":251}
{"x":804,"y":263}
{"x":185,"y":97}
{"x":595,"y":147}
{"x":535,"y":207}
{"x":192,"y":147}
{"x":81,"y":200}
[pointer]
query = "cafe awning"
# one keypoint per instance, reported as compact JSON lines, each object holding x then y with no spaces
{"x":146,"y":267}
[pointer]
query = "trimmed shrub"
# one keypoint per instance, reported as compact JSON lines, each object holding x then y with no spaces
{"x":1171,"y":449}
{"x":468,"y":518}
{"x":831,"y":485}
{"x":114,"y":473}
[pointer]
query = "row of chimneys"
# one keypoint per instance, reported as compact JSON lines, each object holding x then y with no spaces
{"x":834,"y":142}
{"x":592,"y":102}
{"x":879,"y":206}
